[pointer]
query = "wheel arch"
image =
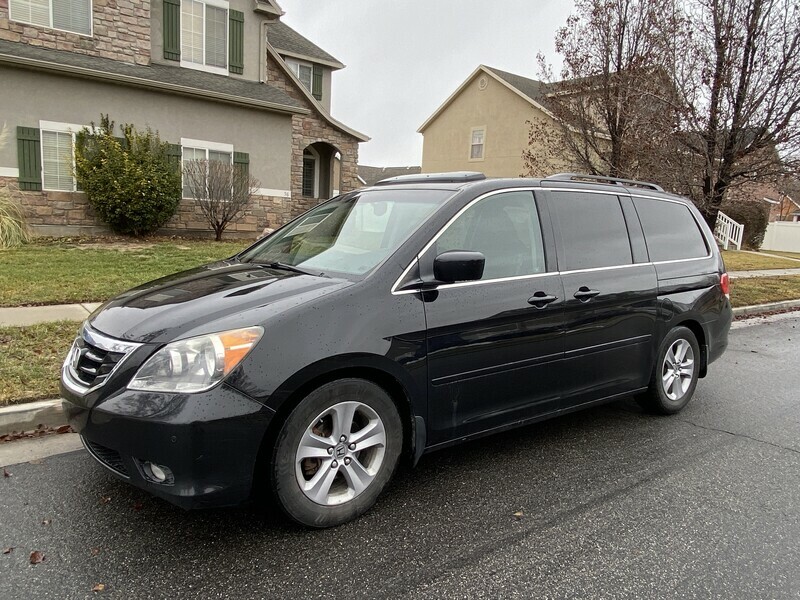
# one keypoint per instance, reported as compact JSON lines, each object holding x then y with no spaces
{"x":697,"y":329}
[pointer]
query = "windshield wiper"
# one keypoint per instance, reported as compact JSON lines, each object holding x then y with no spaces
{"x":283,"y":266}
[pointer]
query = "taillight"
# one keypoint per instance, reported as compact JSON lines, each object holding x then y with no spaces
{"x":725,"y":284}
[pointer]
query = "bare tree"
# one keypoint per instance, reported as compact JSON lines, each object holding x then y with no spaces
{"x":736,"y":67}
{"x":222,"y":190}
{"x":611,"y":87}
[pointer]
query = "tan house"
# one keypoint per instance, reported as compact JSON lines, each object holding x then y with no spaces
{"x":483,"y":125}
{"x":218,"y":79}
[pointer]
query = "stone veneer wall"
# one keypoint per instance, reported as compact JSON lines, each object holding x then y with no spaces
{"x":307,"y":130}
{"x":121,"y":31}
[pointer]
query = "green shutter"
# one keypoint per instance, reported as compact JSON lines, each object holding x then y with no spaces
{"x":316,"y":82}
{"x":175,"y":154}
{"x":171,"y":21}
{"x":242,"y":160}
{"x":236,"y":42}
{"x":29,"y":155}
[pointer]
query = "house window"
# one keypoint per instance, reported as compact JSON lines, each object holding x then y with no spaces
{"x":477,"y":138}
{"x":310,"y":75}
{"x":207,"y":151}
{"x":67,"y":15}
{"x":204,"y":35}
{"x":310,"y":170}
{"x":58,"y":156}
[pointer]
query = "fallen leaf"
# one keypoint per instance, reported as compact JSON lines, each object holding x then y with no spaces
{"x":8,"y":550}
{"x":105,"y":499}
{"x":137,"y":506}
{"x":99,"y":587}
{"x":95,"y":551}
{"x":46,"y":521}
{"x":64,"y":429}
{"x":36,"y":461}
{"x":519,"y":514}
{"x":6,"y":472}
{"x":36,"y":557}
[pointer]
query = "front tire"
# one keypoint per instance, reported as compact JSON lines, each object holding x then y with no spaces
{"x":336,"y":452}
{"x":675,"y":373}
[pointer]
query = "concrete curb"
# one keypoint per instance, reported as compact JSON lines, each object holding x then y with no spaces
{"x":25,"y":417}
{"x":758,"y":309}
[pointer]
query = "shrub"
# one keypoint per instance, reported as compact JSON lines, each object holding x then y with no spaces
{"x":130,"y":182}
{"x":753,"y":214}
{"x":13,"y":228}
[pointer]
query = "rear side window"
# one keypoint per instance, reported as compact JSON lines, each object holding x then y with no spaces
{"x":593,"y":231}
{"x":670,"y":230}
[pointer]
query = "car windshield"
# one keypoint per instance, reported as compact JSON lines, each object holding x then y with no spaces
{"x":351,"y":234}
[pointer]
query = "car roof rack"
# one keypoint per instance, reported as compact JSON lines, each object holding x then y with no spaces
{"x":454,"y":177}
{"x":603,"y":179}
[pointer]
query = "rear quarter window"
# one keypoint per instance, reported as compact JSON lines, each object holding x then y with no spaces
{"x":670,"y":230}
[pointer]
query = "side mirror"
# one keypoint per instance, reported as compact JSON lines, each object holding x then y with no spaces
{"x":459,"y":265}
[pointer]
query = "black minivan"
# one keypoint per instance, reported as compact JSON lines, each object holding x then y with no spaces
{"x":393,"y":321}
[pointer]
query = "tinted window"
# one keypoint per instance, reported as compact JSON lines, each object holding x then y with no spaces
{"x":505,"y":228}
{"x":670,"y":230}
{"x":593,"y":230}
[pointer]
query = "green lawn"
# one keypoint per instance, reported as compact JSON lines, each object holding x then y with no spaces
{"x":31,"y":358}
{"x":761,"y":290}
{"x":60,"y":272}
{"x":745,"y":261}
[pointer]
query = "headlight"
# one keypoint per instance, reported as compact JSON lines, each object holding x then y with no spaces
{"x":195,"y":364}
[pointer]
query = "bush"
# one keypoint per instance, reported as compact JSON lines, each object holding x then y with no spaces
{"x":13,"y":228}
{"x":753,"y":214}
{"x":130,"y":182}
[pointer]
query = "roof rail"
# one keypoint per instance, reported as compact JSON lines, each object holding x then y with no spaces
{"x":604,"y":178}
{"x":455,"y":177}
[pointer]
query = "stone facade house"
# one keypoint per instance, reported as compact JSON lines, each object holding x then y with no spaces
{"x":218,"y":79}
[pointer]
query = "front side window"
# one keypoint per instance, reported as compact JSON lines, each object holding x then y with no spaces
{"x":593,"y":231}
{"x":670,"y":230}
{"x":68,"y":15}
{"x":193,"y":151}
{"x":351,"y":234}
{"x":204,"y":34}
{"x":505,"y":229}
{"x":476,"y":143}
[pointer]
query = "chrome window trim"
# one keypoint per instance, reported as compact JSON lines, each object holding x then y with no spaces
{"x":70,"y":378}
{"x":396,"y":292}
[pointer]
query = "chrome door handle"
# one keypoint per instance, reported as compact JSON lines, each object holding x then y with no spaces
{"x":541,"y":299}
{"x":584,"y":294}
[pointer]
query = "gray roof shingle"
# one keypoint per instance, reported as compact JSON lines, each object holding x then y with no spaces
{"x":533,"y":89}
{"x":283,"y":37}
{"x":372,"y":175}
{"x":157,"y":74}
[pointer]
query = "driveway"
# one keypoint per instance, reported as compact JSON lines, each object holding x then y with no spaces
{"x":607,"y":503}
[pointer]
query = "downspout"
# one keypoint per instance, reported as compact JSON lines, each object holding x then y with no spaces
{"x":262,"y":63}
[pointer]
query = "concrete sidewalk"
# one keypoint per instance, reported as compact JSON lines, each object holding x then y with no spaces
{"x":31,"y":315}
{"x":763,"y":273}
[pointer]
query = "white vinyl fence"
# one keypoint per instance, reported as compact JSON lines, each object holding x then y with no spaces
{"x":782,"y":236}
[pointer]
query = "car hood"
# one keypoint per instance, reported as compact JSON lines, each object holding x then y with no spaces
{"x":206,"y":299}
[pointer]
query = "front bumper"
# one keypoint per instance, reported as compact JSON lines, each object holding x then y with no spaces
{"x":209,"y":441}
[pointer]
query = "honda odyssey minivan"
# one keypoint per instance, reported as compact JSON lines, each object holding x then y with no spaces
{"x":393,"y":321}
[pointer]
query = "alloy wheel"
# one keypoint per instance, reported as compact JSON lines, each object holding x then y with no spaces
{"x":677,"y":371}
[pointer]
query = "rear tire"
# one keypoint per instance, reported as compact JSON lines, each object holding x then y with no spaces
{"x":336,"y":452}
{"x":675,"y":373}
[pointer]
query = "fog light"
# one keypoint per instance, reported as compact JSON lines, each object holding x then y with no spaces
{"x":158,"y":473}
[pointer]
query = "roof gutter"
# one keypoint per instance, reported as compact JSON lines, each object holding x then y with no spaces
{"x":140,"y":82}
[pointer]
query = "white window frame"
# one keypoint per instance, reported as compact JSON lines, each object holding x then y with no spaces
{"x":50,"y":26}
{"x":56,"y":127}
{"x":294,"y":64}
{"x":202,"y":145}
{"x":204,"y":67}
{"x":472,"y":131}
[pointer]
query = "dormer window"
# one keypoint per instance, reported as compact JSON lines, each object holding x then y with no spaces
{"x":309,"y":74}
{"x":74,"y":16}
{"x":204,"y":35}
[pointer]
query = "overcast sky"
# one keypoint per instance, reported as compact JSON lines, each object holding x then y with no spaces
{"x":404,"y":58}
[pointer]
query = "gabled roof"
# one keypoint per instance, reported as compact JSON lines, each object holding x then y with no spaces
{"x":371,"y":175}
{"x":269,"y":7}
{"x":290,"y":43}
{"x":530,"y":90}
{"x":165,"y":78}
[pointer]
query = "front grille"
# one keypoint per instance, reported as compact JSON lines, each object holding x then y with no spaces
{"x":110,"y":458}
{"x":94,"y":364}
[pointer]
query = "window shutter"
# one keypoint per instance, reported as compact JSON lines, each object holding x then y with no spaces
{"x":172,"y":29}
{"x":242,"y":161}
{"x":174,"y":154}
{"x":29,"y":154}
{"x":316,"y":85}
{"x":236,"y":42}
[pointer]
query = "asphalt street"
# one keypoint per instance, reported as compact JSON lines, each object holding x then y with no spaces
{"x":614,"y":503}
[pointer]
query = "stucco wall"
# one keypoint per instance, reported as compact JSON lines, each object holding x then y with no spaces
{"x":120,"y":31}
